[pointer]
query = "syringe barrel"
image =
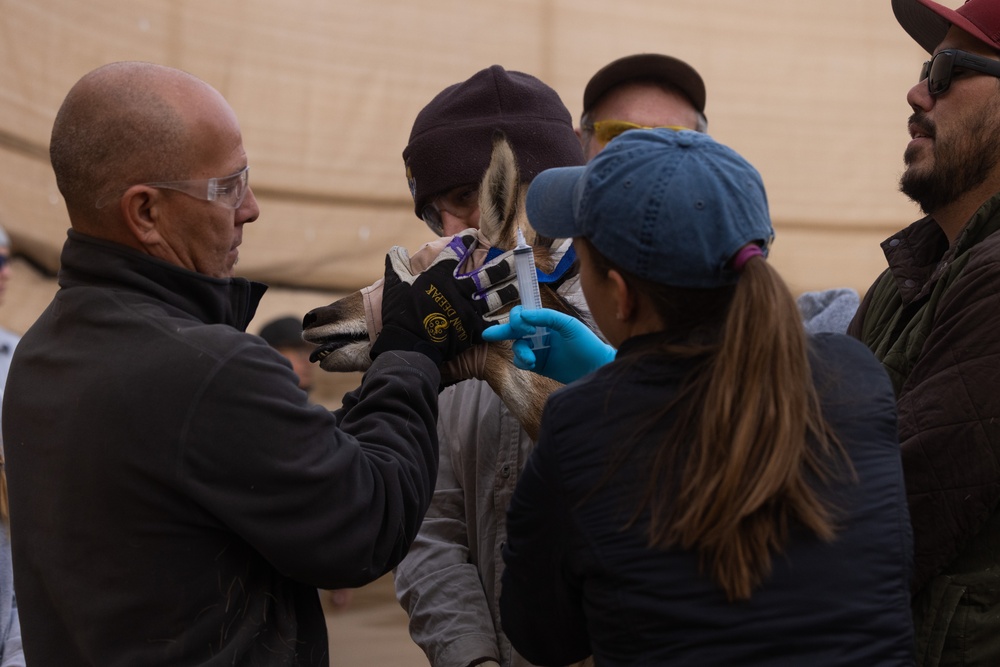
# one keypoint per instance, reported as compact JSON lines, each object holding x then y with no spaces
{"x":527,"y":285}
{"x":527,"y":278}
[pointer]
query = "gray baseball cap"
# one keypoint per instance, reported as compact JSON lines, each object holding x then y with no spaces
{"x":646,"y":67}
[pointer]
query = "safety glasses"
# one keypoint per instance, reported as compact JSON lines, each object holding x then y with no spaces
{"x":606,"y":130}
{"x":230,"y":191}
{"x":461,"y":202}
{"x":939,"y":70}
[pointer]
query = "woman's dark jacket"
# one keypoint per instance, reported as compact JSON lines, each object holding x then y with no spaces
{"x":577,"y":581}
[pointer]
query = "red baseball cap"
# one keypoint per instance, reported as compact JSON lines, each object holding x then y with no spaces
{"x":927,"y":22}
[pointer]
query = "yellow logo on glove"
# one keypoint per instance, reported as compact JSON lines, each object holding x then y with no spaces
{"x":436,"y":324}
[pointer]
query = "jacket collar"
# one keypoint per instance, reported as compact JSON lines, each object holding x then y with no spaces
{"x":919,"y":255}
{"x":89,"y":261}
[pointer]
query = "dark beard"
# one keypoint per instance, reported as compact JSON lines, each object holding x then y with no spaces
{"x":959,"y":166}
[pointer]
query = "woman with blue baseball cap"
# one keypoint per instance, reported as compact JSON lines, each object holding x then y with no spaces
{"x":719,"y":488}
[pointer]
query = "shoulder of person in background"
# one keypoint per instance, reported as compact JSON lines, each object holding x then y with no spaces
{"x":828,"y":310}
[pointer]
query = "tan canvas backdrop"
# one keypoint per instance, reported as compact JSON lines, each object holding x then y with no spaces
{"x":813,"y":93}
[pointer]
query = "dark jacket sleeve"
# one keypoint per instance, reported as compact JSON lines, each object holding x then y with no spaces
{"x":541,"y":604}
{"x":357,"y":482}
{"x":949,"y":420}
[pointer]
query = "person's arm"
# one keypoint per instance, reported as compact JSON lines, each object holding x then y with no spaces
{"x":541,"y":604}
{"x":13,"y":653}
{"x":438,"y":584}
{"x":949,"y":418}
{"x":573,"y":349}
{"x":332,"y":500}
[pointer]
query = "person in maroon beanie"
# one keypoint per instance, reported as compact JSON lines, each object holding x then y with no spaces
{"x":931,"y":318}
{"x":452,"y":140}
{"x":448,"y":582}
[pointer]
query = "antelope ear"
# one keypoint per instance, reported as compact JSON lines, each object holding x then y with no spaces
{"x":501,"y":195}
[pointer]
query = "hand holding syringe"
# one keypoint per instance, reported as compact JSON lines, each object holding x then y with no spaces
{"x":527,"y":285}
{"x":568,"y":348}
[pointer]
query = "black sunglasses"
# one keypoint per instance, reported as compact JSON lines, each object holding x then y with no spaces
{"x":939,"y":69}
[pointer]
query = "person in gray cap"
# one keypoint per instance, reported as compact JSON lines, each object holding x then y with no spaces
{"x":726,"y":490}
{"x":643,"y":90}
{"x":932,"y":319}
{"x":448,"y":582}
{"x":647,"y":90}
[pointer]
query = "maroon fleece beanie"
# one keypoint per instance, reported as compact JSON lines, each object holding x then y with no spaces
{"x":452,"y":137}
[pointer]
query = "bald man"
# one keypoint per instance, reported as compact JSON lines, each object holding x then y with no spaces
{"x":176,"y":500}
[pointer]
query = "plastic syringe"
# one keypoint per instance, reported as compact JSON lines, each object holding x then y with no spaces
{"x":527,"y":285}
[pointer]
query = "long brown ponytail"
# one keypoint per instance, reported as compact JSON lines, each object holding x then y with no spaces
{"x":731,"y":475}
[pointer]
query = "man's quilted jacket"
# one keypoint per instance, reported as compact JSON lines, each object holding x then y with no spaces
{"x":933,"y":320}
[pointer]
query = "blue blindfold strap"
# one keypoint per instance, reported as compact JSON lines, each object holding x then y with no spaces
{"x":561,"y":268}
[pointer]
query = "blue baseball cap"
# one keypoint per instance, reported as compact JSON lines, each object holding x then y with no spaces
{"x":671,"y":207}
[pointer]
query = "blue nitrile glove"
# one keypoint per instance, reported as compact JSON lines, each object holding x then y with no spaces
{"x":574,"y":350}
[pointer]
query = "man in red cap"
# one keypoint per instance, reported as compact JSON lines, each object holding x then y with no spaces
{"x":932,"y":317}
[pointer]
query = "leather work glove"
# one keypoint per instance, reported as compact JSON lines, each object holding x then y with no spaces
{"x":430,"y":312}
{"x":573,"y":349}
{"x":496,"y":279}
{"x":495,"y":283}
